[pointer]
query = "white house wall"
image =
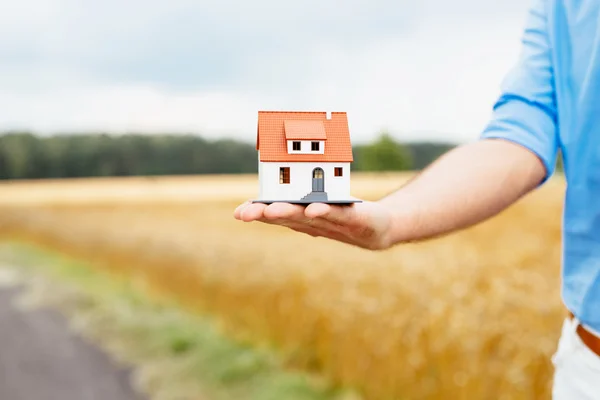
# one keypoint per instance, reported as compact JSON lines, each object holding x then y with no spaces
{"x":305,"y":147}
{"x":337,"y":188}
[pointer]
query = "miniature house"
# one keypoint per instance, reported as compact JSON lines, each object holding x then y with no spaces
{"x":304,"y":157}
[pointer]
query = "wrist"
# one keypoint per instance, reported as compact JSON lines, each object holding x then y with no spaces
{"x":401,"y":224}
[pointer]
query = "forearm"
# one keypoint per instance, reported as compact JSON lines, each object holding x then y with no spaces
{"x":463,"y":187}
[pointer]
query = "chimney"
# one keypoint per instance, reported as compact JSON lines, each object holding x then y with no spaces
{"x":328,"y":114}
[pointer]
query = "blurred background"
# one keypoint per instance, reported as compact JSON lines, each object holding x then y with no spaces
{"x":127,"y":139}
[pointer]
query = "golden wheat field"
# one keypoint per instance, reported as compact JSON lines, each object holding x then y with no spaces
{"x":473,"y":315}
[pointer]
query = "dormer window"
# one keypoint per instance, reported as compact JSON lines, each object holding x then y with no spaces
{"x":304,"y":137}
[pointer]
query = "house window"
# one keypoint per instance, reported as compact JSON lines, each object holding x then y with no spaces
{"x":339,"y":171}
{"x":296,"y":146}
{"x":284,"y":175}
{"x":314,"y":146}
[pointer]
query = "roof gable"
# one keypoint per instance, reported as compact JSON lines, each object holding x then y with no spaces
{"x":304,"y":130}
{"x":273,"y":128}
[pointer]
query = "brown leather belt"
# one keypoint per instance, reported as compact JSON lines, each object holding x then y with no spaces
{"x":589,"y":339}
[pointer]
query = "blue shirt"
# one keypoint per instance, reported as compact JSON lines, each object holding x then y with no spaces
{"x":549,"y":101}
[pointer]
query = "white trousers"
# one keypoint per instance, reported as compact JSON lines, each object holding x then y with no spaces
{"x":577,"y":368}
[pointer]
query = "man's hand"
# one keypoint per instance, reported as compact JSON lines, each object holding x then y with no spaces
{"x":465,"y":186}
{"x":367,"y":225}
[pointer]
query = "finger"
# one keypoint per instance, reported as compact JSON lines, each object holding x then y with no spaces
{"x":283,"y":211}
{"x":316,"y":210}
{"x":302,"y":228}
{"x":286,"y":213}
{"x":341,"y":215}
{"x":238,"y":211}
{"x":328,"y":233}
{"x":252,"y":212}
{"x":317,"y":228}
{"x":314,"y":231}
{"x":291,"y":224}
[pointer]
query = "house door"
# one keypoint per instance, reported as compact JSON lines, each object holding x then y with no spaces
{"x":318,"y":182}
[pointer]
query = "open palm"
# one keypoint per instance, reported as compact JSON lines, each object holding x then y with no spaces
{"x":365,"y":224}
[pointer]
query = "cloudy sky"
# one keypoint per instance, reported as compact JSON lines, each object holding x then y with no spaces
{"x":426,"y":69}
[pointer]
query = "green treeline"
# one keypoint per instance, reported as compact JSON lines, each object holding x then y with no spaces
{"x":25,"y":155}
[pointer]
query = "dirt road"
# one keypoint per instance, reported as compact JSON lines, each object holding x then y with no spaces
{"x":40,"y":359}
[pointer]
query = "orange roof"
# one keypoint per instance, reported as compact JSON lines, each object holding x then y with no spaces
{"x":304,"y":130}
{"x":272,"y":131}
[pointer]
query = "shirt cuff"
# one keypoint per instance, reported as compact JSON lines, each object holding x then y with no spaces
{"x":528,"y":125}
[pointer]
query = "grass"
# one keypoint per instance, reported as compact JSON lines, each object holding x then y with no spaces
{"x":178,"y":355}
{"x":472,"y":315}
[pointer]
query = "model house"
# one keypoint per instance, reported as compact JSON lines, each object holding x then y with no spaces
{"x":304,"y":157}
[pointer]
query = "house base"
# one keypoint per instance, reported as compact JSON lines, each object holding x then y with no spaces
{"x":312,"y":197}
{"x":307,"y":202}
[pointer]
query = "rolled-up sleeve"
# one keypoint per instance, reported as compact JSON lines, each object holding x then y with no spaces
{"x":525,"y":112}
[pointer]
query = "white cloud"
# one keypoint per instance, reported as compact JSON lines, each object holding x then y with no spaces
{"x":131,"y":108}
{"x":209,"y":66}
